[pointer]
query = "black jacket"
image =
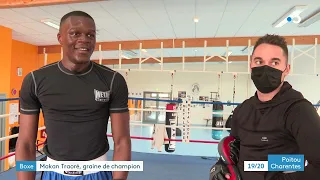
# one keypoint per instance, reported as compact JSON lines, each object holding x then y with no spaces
{"x":287,"y":124}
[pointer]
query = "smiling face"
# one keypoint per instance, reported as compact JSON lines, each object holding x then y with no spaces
{"x":77,"y":35}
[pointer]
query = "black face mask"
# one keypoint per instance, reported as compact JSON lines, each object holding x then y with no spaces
{"x":266,"y":79}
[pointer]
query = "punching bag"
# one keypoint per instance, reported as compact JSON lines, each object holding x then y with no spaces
{"x":171,"y":119}
{"x":228,"y":123}
{"x":217,"y":121}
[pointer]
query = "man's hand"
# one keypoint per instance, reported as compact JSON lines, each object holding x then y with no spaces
{"x":222,"y":171}
{"x":219,"y":171}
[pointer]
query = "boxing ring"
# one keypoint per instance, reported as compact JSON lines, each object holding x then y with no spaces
{"x":192,"y":151}
{"x":195,"y":150}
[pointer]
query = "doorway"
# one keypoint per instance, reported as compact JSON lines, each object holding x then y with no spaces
{"x":2,"y":130}
{"x":152,"y":116}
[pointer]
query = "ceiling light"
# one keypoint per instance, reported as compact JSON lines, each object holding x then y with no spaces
{"x":195,"y":20}
{"x":125,"y":57}
{"x":293,"y":13}
{"x":129,"y":53}
{"x":314,"y":18}
{"x":50,"y":23}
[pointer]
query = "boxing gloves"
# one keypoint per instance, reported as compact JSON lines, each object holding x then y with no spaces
{"x":228,"y":149}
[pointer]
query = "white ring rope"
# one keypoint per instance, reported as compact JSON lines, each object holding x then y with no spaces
{"x":7,"y":115}
{"x":132,"y":124}
{"x":135,"y":109}
{"x":153,"y":110}
{"x":16,"y":135}
{"x":191,"y":127}
{"x":222,"y":113}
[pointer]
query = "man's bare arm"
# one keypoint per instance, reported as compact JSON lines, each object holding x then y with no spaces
{"x":25,"y":147}
{"x":122,"y":141}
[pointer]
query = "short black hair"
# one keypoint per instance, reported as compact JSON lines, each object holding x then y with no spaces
{"x":273,"y":40}
{"x":74,"y":13}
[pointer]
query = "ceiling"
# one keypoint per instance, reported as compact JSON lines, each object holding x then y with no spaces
{"x":120,"y":20}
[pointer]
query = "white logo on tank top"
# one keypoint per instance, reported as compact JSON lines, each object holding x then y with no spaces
{"x":101,"y":96}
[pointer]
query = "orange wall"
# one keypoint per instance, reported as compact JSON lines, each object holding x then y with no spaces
{"x":5,"y":68}
{"x":51,"y":58}
{"x":23,"y":56}
{"x":5,"y":60}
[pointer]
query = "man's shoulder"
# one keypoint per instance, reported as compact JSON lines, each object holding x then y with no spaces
{"x":46,"y":68}
{"x":41,"y":72}
{"x":246,"y":102}
{"x":296,"y":98}
{"x":299,"y":104}
{"x":103,"y":68}
{"x":107,"y":72}
{"x":297,"y":94}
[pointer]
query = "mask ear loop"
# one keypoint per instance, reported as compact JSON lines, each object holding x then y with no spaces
{"x":283,"y":72}
{"x":285,"y":68}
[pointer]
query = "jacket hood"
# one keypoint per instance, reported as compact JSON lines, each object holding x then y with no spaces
{"x":286,"y":93}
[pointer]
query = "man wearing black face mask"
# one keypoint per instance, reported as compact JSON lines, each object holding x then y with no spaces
{"x":276,"y":120}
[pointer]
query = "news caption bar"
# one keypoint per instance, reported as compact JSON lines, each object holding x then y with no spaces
{"x":278,"y":162}
{"x":79,"y":166}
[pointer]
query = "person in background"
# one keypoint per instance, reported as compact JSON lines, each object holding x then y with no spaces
{"x":276,"y":120}
{"x":77,"y":97}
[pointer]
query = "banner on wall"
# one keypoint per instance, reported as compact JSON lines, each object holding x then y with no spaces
{"x":182,"y":94}
{"x":14,"y":110}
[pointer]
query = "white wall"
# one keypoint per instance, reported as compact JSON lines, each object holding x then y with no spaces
{"x":305,"y":81}
{"x":139,"y":81}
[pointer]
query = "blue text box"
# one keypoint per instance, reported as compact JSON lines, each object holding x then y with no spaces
{"x":26,"y":166}
{"x":286,"y":162}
